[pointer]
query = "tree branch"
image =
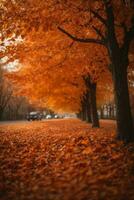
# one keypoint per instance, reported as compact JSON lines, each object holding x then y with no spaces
{"x":99,"y":33}
{"x":129,"y":36}
{"x":101,"y":19}
{"x":83,"y":40}
{"x":111,"y":36}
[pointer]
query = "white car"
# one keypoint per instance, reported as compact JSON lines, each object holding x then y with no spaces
{"x":48,"y":117}
{"x":56,"y":116}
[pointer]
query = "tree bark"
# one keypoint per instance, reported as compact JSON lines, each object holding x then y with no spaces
{"x":86,"y":112}
{"x":125,"y":129}
{"x":101,"y":112}
{"x":83,"y":110}
{"x":119,"y":65}
{"x":91,"y":100}
{"x":88,"y":108}
{"x":94,"y":114}
{"x":1,"y":114}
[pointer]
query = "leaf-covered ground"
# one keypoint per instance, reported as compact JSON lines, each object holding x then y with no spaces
{"x":64,"y":160}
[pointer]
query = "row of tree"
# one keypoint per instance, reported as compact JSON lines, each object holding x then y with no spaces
{"x":12,"y":107}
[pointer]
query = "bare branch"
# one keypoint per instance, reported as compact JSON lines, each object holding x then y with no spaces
{"x":99,"y":33}
{"x":99,"y":17}
{"x":83,"y":40}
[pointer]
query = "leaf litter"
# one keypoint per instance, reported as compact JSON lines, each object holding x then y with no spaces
{"x":64,"y":160}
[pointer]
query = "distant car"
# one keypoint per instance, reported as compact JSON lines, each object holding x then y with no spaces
{"x":48,"y":117}
{"x":56,"y":116}
{"x":34,"y":116}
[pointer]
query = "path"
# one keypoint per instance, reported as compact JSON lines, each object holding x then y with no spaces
{"x":64,"y":160}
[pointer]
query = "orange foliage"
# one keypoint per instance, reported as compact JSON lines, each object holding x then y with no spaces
{"x":54,"y":73}
{"x":53,"y":65}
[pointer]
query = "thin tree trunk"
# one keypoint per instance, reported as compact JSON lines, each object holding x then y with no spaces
{"x":84,"y":110}
{"x":88,"y":108}
{"x":78,"y":115}
{"x":94,"y":114}
{"x":101,"y":112}
{"x":91,"y":99}
{"x":1,"y":114}
{"x":89,"y":120}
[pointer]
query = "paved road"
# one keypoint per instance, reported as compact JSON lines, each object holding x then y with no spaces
{"x":13,"y":122}
{"x":26,"y":122}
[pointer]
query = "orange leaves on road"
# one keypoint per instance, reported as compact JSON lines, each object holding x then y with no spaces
{"x":64,"y":160}
{"x":87,"y":151}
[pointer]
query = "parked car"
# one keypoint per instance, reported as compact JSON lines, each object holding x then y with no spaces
{"x":49,"y":116}
{"x":34,"y":116}
{"x":56,"y":116}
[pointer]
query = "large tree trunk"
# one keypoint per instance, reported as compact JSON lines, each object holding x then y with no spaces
{"x":91,"y":99}
{"x":119,"y":60}
{"x":83,"y":110}
{"x":86,"y":112}
{"x":125,"y":129}
{"x":94,"y":114}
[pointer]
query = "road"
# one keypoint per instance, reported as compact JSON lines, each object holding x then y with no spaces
{"x":13,"y":122}
{"x":64,"y":159}
{"x":25,"y":121}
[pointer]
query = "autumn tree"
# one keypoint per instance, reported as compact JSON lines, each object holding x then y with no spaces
{"x":112,"y":26}
{"x":54,"y":75}
{"x":45,"y":81}
{"x":47,"y":67}
{"x":34,"y":16}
